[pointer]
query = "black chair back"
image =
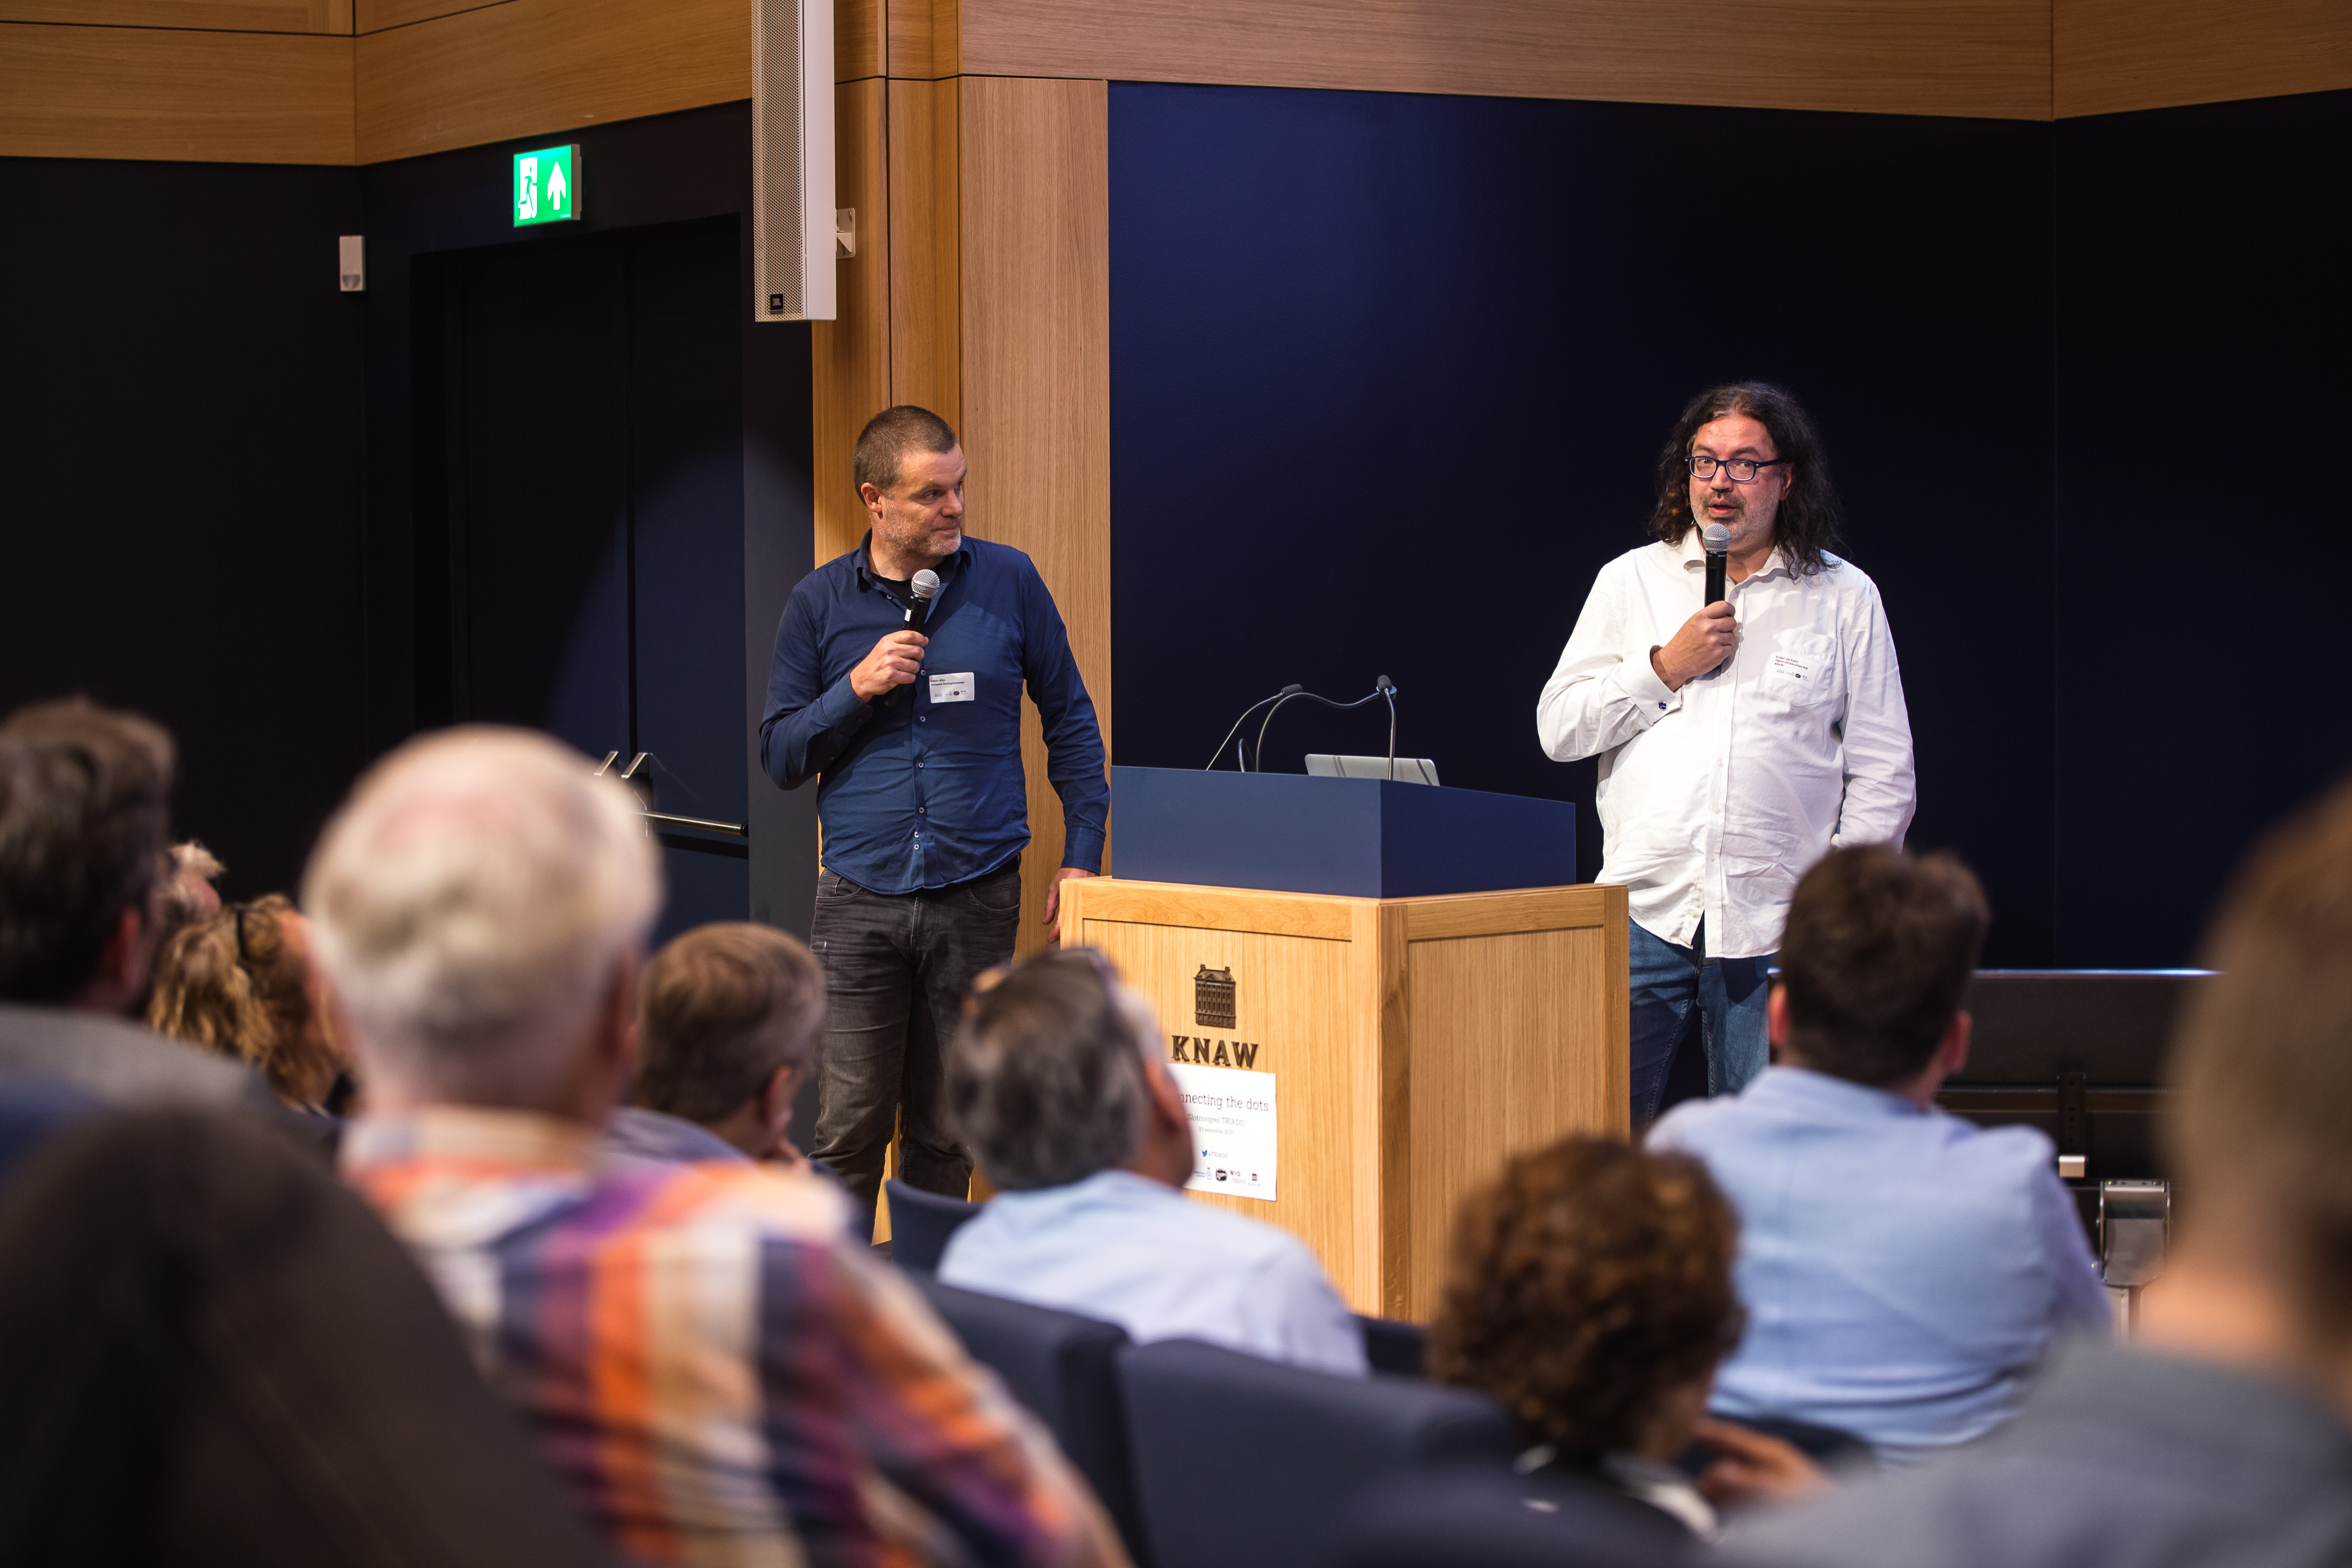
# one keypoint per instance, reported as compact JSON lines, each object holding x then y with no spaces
{"x":1243,"y":1463}
{"x":1395,"y":1346}
{"x":920,"y":1223}
{"x":1065,"y":1368}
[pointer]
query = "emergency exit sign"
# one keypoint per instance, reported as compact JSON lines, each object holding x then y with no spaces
{"x":546,"y":186}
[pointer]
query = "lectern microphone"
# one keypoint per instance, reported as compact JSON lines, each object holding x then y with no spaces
{"x":1718,"y":539}
{"x":1285,"y":691}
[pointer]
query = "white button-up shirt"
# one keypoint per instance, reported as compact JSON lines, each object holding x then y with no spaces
{"x":1715,"y":799}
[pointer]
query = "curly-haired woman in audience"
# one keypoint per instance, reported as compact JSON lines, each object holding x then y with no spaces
{"x":240,"y":983}
{"x":1590,"y":1292}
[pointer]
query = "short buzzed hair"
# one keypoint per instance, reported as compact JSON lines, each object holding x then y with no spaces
{"x":1878,"y":950}
{"x":889,"y":435}
{"x":724,"y":1006}
{"x":85,"y":813}
{"x":2261,"y":1070}
{"x":1047,"y":1077}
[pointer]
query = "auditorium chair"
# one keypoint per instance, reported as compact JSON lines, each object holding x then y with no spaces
{"x":1243,"y":1463}
{"x":1065,"y":1368}
{"x":920,"y":1223}
{"x":1395,"y":1347}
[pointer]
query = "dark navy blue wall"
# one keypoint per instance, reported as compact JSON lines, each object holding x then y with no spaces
{"x":1389,"y":375}
{"x":2203,"y":329}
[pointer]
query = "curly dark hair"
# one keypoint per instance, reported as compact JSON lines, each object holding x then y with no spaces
{"x":1810,"y":517}
{"x":1588,"y":1280}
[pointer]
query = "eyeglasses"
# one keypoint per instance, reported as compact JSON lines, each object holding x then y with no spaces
{"x":1741,"y":470}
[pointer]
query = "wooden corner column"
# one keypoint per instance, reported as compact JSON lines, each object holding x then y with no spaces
{"x":1416,"y":1044}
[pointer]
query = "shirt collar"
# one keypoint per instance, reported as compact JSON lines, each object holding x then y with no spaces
{"x":1694,"y":554}
{"x":1803,"y":1086}
{"x":868,"y":577}
{"x":493,"y":1142}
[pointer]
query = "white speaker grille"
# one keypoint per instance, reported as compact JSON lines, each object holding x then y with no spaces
{"x":792,"y":160}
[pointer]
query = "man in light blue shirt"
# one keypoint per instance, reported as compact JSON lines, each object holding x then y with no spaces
{"x":1058,"y":1088}
{"x":1904,"y":1271}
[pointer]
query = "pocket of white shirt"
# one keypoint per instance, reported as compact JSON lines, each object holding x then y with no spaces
{"x":1803,"y":667}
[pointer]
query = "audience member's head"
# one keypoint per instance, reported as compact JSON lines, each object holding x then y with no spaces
{"x":85,"y":808}
{"x":1054,"y":1076}
{"x":184,"y":893}
{"x":240,"y":982}
{"x":1878,"y":950}
{"x":480,"y":908}
{"x":727,"y":1030}
{"x":2262,"y":1083}
{"x":1590,"y":1292}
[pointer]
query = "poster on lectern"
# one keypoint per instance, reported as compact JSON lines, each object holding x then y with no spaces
{"x":1233,"y":1129}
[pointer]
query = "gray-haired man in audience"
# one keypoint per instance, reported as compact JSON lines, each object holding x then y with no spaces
{"x":726,"y":1031}
{"x":2224,"y":1435}
{"x":1059,"y":1090}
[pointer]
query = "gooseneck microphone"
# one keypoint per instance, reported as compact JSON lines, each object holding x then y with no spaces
{"x":1383,"y":689}
{"x":1718,"y":539}
{"x":1242,"y":762}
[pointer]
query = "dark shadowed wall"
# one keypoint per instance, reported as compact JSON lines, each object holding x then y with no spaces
{"x":1390,"y":377}
{"x":179,"y":478}
{"x":2203,"y":329}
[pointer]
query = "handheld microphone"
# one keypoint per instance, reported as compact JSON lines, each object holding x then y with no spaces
{"x":1718,"y":539}
{"x":920,"y":589}
{"x":1293,"y":687}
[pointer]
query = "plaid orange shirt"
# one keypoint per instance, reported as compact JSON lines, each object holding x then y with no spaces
{"x":715,"y":1373}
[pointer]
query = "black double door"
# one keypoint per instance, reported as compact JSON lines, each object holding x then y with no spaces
{"x":580,"y":519}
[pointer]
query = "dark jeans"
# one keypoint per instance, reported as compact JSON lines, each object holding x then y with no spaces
{"x":896,"y":970}
{"x":1729,"y":994}
{"x":212,"y":1353}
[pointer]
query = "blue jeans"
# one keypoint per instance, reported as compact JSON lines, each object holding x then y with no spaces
{"x":1729,"y":992}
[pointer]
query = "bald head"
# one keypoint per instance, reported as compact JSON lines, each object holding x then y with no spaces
{"x":474,"y":905}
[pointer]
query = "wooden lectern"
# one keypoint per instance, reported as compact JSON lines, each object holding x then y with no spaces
{"x":1417,"y":1038}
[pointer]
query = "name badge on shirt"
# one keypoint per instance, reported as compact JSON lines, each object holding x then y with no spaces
{"x":951,"y":688}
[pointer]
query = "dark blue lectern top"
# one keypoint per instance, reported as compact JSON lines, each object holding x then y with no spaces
{"x":1365,"y":838}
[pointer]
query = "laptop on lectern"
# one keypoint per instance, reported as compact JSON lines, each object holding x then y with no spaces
{"x":1409,"y":770}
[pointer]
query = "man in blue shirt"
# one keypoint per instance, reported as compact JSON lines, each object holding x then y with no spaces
{"x":1058,"y":1081}
{"x":1903,"y":1270}
{"x":915,"y":739}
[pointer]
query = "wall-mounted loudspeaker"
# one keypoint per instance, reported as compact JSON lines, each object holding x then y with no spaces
{"x":793,"y":223}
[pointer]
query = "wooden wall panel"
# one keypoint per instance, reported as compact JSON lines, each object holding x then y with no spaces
{"x":221,"y":15}
{"x":2114,"y":55}
{"x":531,"y":68}
{"x":926,"y":287}
{"x":375,"y":16}
{"x":1035,"y":264}
{"x":186,"y":97}
{"x":861,"y":47}
{"x":849,"y":356}
{"x":926,"y":38}
{"x":1977,"y":57}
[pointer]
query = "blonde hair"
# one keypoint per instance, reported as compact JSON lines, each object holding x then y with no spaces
{"x":469,"y":904}
{"x":233,"y":983}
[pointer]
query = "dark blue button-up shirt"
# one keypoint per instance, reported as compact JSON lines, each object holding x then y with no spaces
{"x":918,"y":793}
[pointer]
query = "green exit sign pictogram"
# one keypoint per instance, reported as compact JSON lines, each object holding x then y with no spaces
{"x":546,"y":186}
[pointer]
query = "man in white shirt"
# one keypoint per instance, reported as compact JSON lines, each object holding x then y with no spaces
{"x":1740,"y":740}
{"x":1057,"y":1084}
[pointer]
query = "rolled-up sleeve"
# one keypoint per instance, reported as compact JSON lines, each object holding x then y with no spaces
{"x":1882,"y":785}
{"x":806,"y":722}
{"x":1603,"y":692}
{"x":1075,"y":763}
